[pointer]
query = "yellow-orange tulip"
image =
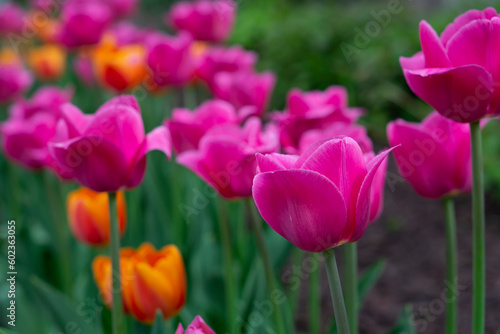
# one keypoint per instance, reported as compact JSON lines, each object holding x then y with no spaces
{"x":88,"y":215}
{"x":119,"y":67}
{"x":151,"y":280}
{"x":9,"y":56}
{"x":47,"y":61}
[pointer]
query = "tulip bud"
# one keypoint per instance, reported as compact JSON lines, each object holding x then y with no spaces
{"x":198,"y":326}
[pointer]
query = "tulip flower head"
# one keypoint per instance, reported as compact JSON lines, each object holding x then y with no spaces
{"x":225,"y":157}
{"x":198,"y":326}
{"x":435,"y":155}
{"x":205,"y":20}
{"x":322,"y":198}
{"x":187,"y":127}
{"x":14,"y":78}
{"x":151,"y":280}
{"x":106,"y":151}
{"x":454,"y":72}
{"x":123,"y":8}
{"x":48,"y":61}
{"x":88,"y":215}
{"x":83,"y":68}
{"x":11,"y":18}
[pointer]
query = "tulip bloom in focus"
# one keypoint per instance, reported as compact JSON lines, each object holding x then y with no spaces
{"x":435,"y":155}
{"x":187,"y":127}
{"x":198,"y":326}
{"x":322,"y":198}
{"x":106,"y":151}
{"x":205,"y":20}
{"x":48,"y":61}
{"x":151,"y":280}
{"x":88,"y":215}
{"x":225,"y":158}
{"x":454,"y":72}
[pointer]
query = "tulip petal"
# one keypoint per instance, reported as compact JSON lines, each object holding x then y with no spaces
{"x":463,"y":20}
{"x":150,"y":291}
{"x":433,"y":50}
{"x":275,"y":161}
{"x":159,"y":139}
{"x":121,"y":100}
{"x":302,"y":206}
{"x":76,"y":121}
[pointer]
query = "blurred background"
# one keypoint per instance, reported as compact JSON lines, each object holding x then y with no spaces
{"x":309,"y":45}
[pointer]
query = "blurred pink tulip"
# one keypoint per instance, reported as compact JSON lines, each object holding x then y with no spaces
{"x":31,"y":125}
{"x":127,"y":33}
{"x":313,"y":111}
{"x":188,"y":127}
{"x":84,"y":22}
{"x":222,"y":59}
{"x":435,"y":155}
{"x":225,"y":158}
{"x":454,"y":73}
{"x":106,"y":151}
{"x":170,"y":59}
{"x":123,"y":8}
{"x":320,"y":199}
{"x":82,"y":66}
{"x":48,"y":6}
{"x":11,"y":18}
{"x":205,"y":20}
{"x":14,"y":81}
{"x":245,"y":89}
{"x":198,"y":326}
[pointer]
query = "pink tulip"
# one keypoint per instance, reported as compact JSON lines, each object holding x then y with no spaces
{"x":170,"y":59}
{"x":245,"y":89}
{"x":127,"y":33}
{"x":14,"y":81}
{"x":187,"y":127}
{"x":84,"y":22}
{"x":82,"y":66}
{"x":355,"y":131}
{"x":198,"y":326}
{"x":222,"y":59}
{"x":454,"y":73}
{"x":31,"y":125}
{"x":205,"y":20}
{"x":11,"y":18}
{"x":225,"y":158}
{"x":123,"y":8}
{"x":377,"y":191}
{"x":106,"y":151}
{"x":313,"y":111}
{"x":320,"y":199}
{"x":435,"y":155}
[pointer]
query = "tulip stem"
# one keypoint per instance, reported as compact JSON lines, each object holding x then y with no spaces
{"x":451,"y":265}
{"x":478,"y":227}
{"x":314,"y":301}
{"x":350,"y":276}
{"x":268,"y":267}
{"x":228,"y":267}
{"x":336,"y":292}
{"x":117,"y":307}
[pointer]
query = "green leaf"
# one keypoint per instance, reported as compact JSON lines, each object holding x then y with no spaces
{"x":369,"y":278}
{"x":65,"y":313}
{"x":404,"y":324}
{"x":5,"y":331}
{"x":159,"y":325}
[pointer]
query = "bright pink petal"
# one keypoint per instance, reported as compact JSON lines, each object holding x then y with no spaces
{"x":433,"y":50}
{"x":159,"y":139}
{"x":76,"y":121}
{"x":465,"y":19}
{"x":275,"y":161}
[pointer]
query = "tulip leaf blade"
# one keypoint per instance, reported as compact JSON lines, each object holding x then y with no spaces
{"x":370,"y":278}
{"x":404,"y":324}
{"x":159,"y":325}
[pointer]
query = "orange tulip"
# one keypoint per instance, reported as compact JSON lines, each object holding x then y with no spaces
{"x":47,"y":61}
{"x":88,"y":215}
{"x":151,"y":280}
{"x":9,"y":56}
{"x":120,"y":68}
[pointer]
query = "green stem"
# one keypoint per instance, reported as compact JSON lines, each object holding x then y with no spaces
{"x":228,"y":267}
{"x":351,"y":284}
{"x":336,"y":292}
{"x":478,"y":227}
{"x":181,"y":98}
{"x":117,"y":307}
{"x":266,"y":259}
{"x":314,"y":301}
{"x":451,"y":264}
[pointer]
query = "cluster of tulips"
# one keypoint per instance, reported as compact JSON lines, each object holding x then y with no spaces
{"x":310,"y":170}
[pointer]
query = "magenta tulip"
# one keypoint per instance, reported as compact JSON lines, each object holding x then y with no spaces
{"x":198,"y":326}
{"x":226,"y":159}
{"x":435,"y":155}
{"x":11,"y":18}
{"x":170,"y":59}
{"x":320,"y":199}
{"x":126,"y":33}
{"x":106,"y":151}
{"x":245,"y":89}
{"x":222,"y":59}
{"x":454,"y":73}
{"x":187,"y":127}
{"x":31,"y":125}
{"x":84,"y":22}
{"x":123,"y":8}
{"x":313,"y":111}
{"x":205,"y":20}
{"x":14,"y":81}
{"x":82,"y":66}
